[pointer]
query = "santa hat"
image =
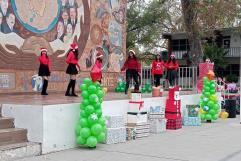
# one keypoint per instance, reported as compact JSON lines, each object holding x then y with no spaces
{"x":173,"y":55}
{"x":43,"y":50}
{"x":99,"y":55}
{"x":132,"y":51}
{"x":74,"y":46}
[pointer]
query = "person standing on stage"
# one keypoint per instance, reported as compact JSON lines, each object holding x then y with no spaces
{"x":72,"y":69}
{"x":133,"y":70}
{"x":172,"y":70}
{"x":44,"y":69}
{"x":96,"y":71}
{"x":157,"y":69}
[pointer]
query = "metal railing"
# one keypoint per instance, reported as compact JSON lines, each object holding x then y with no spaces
{"x":187,"y":77}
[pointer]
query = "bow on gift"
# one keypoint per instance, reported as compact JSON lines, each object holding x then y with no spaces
{"x":138,"y":102}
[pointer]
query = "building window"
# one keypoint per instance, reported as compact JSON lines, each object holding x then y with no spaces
{"x":180,"y":45}
{"x":226,"y":42}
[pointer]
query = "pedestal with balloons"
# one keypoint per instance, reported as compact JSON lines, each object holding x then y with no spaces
{"x":147,"y":88}
{"x":91,"y":127}
{"x":209,"y":104}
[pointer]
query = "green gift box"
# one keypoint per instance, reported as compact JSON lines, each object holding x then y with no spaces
{"x":193,"y":110}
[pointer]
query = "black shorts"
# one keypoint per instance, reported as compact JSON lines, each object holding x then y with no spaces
{"x":43,"y":70}
{"x":72,"y":69}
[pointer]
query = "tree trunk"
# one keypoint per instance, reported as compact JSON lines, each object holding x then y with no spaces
{"x":189,"y":12}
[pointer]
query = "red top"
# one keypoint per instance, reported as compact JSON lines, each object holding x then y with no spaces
{"x":131,"y":64}
{"x":96,"y":73}
{"x":172,"y":65}
{"x":43,"y":59}
{"x":72,"y":60}
{"x":157,"y":67}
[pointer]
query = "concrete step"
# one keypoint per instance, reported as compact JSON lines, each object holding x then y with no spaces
{"x":6,"y":123}
{"x":13,"y":152}
{"x":12,"y":136}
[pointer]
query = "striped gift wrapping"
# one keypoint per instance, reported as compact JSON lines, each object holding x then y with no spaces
{"x":174,"y":124}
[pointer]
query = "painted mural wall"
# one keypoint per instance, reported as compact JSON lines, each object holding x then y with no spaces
{"x":28,"y":25}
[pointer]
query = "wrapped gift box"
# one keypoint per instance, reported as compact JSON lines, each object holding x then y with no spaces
{"x":130,"y":133}
{"x":174,"y":124}
{"x":157,"y":110}
{"x":192,"y":110}
{"x":134,"y":117}
{"x":173,"y":108}
{"x":139,"y":130}
{"x":135,"y":96}
{"x":156,"y":116}
{"x":192,"y":121}
{"x":157,"y":125}
{"x":115,"y":121}
{"x":115,"y":135}
{"x":136,"y":106}
{"x":142,"y":135}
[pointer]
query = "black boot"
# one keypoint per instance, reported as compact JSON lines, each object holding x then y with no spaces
{"x":68,"y":88}
{"x":73,"y":87}
{"x":45,"y":85}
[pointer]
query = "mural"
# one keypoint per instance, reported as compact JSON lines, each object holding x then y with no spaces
{"x":28,"y":25}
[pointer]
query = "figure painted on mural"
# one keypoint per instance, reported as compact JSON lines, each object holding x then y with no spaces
{"x":133,"y":70}
{"x":172,"y":70}
{"x":8,"y":27}
{"x":72,"y":69}
{"x":65,"y":18}
{"x":157,"y":69}
{"x":73,"y":3}
{"x":64,"y":4}
{"x":69,"y":33}
{"x":60,"y":31}
{"x":115,"y":60}
{"x":44,"y":69}
{"x":1,"y":20}
{"x":73,"y":16}
{"x":4,"y":7}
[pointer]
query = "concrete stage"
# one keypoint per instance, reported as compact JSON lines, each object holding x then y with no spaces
{"x":51,"y":120}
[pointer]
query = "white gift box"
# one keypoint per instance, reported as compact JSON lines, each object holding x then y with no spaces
{"x":157,"y":110}
{"x":135,"y":96}
{"x":157,"y":125}
{"x":139,"y":130}
{"x":115,"y":121}
{"x":156,"y":116}
{"x":191,"y":121}
{"x":115,"y":135}
{"x":133,"y":117}
{"x":136,"y":106}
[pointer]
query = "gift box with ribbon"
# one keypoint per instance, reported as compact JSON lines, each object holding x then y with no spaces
{"x":115,"y":135}
{"x":174,"y":124}
{"x":157,"y":125}
{"x":115,"y":121}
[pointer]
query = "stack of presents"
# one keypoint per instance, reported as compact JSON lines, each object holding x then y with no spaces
{"x":191,"y":116}
{"x":157,"y":119}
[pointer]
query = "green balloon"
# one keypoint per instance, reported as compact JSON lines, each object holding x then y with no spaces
{"x":93,"y":98}
{"x":100,"y":93}
{"x":149,"y":89}
{"x":85,"y":132}
{"x":83,"y":122}
{"x":207,"y":94}
{"x":216,"y":106}
{"x":101,"y":137}
{"x":207,"y":89}
{"x":101,"y":100}
{"x":82,"y":106}
{"x":86,"y":102}
{"x":122,"y":89}
{"x":81,"y":140}
{"x":97,"y":105}
{"x":92,"y":89}
{"x":212,"y":112}
{"x":83,"y":87}
{"x":212,"y":91}
{"x":205,"y":79}
{"x":99,"y":112}
{"x":102,"y":121}
{"x":118,"y":89}
{"x":90,"y":109}
{"x":210,"y":104}
{"x":215,"y":117}
{"x":83,"y":113}
{"x":91,"y":142}
{"x":208,"y":117}
{"x":92,"y":121}
{"x":203,"y":117}
{"x":143,"y":90}
{"x":85,"y":94}
{"x":77,"y":130}
{"x":97,"y":84}
{"x":87,"y":81}
{"x":96,"y":129}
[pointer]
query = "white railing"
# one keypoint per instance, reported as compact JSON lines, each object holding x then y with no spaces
{"x":187,"y":77}
{"x":179,"y":54}
{"x":234,"y":52}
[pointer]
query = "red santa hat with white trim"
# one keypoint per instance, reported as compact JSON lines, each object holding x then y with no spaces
{"x":43,"y":50}
{"x":74,"y":46}
{"x":99,"y":55}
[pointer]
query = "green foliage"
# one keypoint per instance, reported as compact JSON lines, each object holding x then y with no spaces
{"x":216,"y":55}
{"x":232,"y":78}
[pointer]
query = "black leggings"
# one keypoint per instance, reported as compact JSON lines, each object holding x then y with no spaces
{"x":157,"y":80}
{"x":172,"y":76}
{"x":132,"y":74}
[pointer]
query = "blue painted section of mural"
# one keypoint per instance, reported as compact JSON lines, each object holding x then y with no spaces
{"x":34,"y":29}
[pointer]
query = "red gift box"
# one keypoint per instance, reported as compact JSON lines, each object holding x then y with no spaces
{"x":173,"y":109}
{"x":174,"y":124}
{"x":172,"y":91}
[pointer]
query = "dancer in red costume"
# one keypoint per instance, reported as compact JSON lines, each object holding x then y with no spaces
{"x":172,"y":70}
{"x":96,"y":71}
{"x":44,"y":69}
{"x":73,"y":68}
{"x":157,"y":69}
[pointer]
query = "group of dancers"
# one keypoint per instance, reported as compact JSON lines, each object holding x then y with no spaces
{"x":132,"y":68}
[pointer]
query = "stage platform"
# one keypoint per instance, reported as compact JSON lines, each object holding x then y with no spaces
{"x":51,"y":120}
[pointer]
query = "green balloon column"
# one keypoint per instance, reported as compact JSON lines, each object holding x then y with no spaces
{"x":120,"y":86}
{"x":147,"y":88}
{"x":91,"y":127}
{"x":209,"y":103}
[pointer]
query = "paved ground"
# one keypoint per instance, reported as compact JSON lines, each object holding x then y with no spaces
{"x":219,"y":141}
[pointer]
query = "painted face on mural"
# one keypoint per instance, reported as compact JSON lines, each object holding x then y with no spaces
{"x":11,"y":20}
{"x":72,"y":12}
{"x":65,"y":15}
{"x":69,"y":29}
{"x":63,"y":2}
{"x":60,"y":28}
{"x":71,"y":2}
{"x":4,"y":6}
